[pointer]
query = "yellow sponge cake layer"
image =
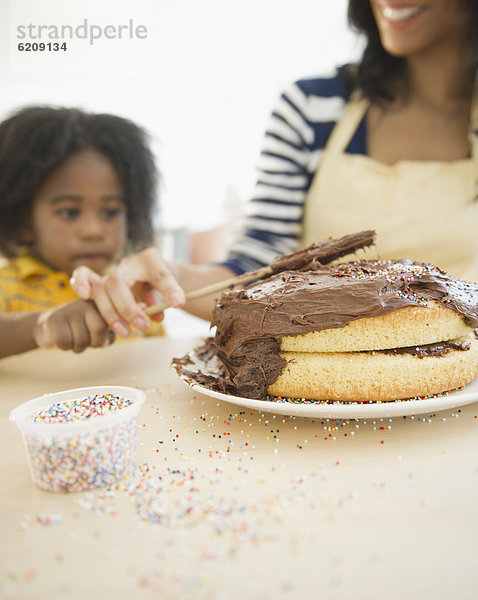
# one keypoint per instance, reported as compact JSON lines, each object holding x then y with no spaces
{"x":374,"y":376}
{"x":409,"y":326}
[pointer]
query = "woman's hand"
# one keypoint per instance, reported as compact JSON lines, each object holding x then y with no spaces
{"x":139,"y":280}
{"x":73,"y":326}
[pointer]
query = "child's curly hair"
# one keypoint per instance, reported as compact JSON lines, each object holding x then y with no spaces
{"x":36,"y":139}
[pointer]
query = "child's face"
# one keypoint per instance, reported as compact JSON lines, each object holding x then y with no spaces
{"x":78,"y":215}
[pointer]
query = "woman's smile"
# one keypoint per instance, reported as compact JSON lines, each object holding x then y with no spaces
{"x":401,"y":15}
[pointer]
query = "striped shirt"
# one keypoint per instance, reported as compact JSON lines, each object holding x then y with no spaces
{"x":298,"y":130}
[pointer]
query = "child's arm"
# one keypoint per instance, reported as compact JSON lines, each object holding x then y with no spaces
{"x":73,"y":326}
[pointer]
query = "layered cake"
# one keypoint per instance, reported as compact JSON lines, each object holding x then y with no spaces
{"x":356,"y":331}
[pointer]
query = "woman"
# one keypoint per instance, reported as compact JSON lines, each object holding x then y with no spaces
{"x":383,"y":145}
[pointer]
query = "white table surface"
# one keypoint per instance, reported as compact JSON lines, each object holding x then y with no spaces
{"x":239,"y":503}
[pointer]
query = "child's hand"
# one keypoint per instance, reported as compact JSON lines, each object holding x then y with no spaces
{"x":139,"y":280}
{"x":73,"y":326}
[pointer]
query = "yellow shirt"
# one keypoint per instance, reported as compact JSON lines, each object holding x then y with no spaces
{"x":26,"y":283}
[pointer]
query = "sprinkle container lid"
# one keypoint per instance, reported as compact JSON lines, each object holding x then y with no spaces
{"x":78,"y":410}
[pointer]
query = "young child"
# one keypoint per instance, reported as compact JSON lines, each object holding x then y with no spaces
{"x":75,"y":189}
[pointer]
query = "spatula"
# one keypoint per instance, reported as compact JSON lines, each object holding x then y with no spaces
{"x":318,"y":253}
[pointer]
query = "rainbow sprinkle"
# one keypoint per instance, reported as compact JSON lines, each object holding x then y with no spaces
{"x":279,"y":399}
{"x":68,"y":461}
{"x":98,"y":405}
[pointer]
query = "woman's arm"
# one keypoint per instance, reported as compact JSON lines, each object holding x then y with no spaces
{"x":194,"y":277}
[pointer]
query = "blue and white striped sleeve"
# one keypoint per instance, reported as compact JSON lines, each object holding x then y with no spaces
{"x":296,"y":135}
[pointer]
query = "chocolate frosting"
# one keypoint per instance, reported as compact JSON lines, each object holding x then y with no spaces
{"x":436,"y":349}
{"x":251,"y":321}
{"x":323,"y":253}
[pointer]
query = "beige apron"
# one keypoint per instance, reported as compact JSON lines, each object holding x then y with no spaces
{"x":422,"y":210}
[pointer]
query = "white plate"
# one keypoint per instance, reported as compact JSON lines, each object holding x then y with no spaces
{"x":338,"y":410}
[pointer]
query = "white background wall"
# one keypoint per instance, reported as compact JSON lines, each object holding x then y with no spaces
{"x":203,"y":81}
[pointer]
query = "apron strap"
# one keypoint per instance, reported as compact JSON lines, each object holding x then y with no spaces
{"x":341,"y":134}
{"x":473,"y":136}
{"x":473,"y":131}
{"x":354,"y":112}
{"x":356,"y":109}
{"x":347,"y":125}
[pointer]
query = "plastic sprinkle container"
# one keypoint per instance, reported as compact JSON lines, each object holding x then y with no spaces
{"x":80,"y":439}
